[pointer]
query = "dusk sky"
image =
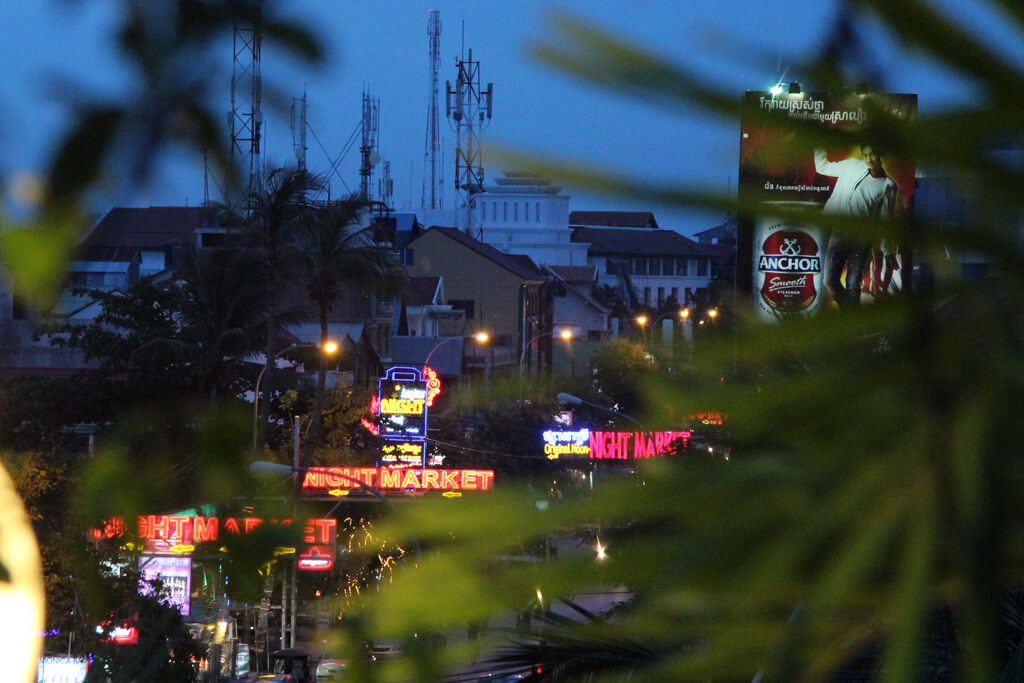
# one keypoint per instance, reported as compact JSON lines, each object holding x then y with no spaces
{"x":743,"y":45}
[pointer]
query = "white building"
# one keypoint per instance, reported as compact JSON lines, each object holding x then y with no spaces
{"x":522,"y":213}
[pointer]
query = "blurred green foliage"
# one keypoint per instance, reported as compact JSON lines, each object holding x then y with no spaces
{"x":871,"y":503}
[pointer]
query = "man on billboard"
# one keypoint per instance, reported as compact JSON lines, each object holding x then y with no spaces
{"x":863,"y":190}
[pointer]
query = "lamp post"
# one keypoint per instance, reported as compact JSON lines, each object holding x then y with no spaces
{"x":329,"y":348}
{"x":683,"y":313}
{"x":565,"y":334}
{"x":570,"y":400}
{"x":480,"y":337}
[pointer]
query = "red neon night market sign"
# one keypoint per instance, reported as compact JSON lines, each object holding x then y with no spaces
{"x":390,"y":479}
{"x":188,"y":530}
{"x":633,"y":445}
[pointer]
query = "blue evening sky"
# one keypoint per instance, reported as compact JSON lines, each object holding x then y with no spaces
{"x":742,"y":44}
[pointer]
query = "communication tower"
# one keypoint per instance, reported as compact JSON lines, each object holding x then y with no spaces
{"x":368,"y":150}
{"x":433,"y":181}
{"x":469,"y":109}
{"x":299,"y":105}
{"x":386,"y":187}
{"x":245,"y":119}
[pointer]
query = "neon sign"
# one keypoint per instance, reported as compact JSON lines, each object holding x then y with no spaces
{"x":433,"y":385}
{"x":402,"y":453}
{"x":393,"y":479}
{"x":593,"y":445}
{"x":401,"y":404}
{"x":316,"y":560}
{"x":708,"y":418}
{"x":635,"y":445}
{"x":190,"y":530}
{"x":559,"y":444}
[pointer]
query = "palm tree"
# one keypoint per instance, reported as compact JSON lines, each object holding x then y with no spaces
{"x":218,"y":320}
{"x":340,"y":255}
{"x":279,"y":209}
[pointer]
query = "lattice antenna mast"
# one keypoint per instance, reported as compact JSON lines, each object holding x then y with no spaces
{"x":299,"y":105}
{"x":368,"y":151}
{"x":246,"y":116}
{"x":386,"y":188}
{"x":432,"y":179}
{"x":470,"y":109}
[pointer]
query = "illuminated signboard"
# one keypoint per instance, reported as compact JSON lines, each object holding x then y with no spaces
{"x":62,"y":669}
{"x":402,"y":404}
{"x":711,"y":419}
{"x":319,"y":536}
{"x":402,"y":453}
{"x":392,"y":479}
{"x":121,"y":635}
{"x":175,"y":572}
{"x":788,"y":263}
{"x":208,"y":529}
{"x":566,"y":444}
{"x":593,"y":445}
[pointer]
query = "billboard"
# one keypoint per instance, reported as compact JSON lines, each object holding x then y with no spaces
{"x":794,"y":268}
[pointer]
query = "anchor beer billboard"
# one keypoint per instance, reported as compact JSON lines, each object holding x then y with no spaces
{"x":794,"y":267}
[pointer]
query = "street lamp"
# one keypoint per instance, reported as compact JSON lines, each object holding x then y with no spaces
{"x":570,"y":400}
{"x":479,"y":337}
{"x":329,"y":348}
{"x":565,"y":334}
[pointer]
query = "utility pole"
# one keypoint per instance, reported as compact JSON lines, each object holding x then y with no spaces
{"x":470,"y":109}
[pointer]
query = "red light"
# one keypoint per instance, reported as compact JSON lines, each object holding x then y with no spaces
{"x":722,"y":378}
{"x":540,"y":670}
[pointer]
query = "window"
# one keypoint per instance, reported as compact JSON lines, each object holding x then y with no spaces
{"x":505,"y":211}
{"x":661,"y":295}
{"x":594,"y":335}
{"x":681,"y":266}
{"x":654,"y":265}
{"x":639,"y":266}
{"x":666,"y":265}
{"x":689,"y":295}
{"x":647,"y":295}
{"x":702,"y":267}
{"x":538,"y":212}
{"x":675,"y":293}
{"x":494,"y":211}
{"x":465,"y":305}
{"x":515,"y":212}
{"x":616,"y":267}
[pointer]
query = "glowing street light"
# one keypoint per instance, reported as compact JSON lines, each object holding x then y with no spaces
{"x":565,"y":334}
{"x":329,"y":348}
{"x":480,"y":338}
{"x":601,"y":554}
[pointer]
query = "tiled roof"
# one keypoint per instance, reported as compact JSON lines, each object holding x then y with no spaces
{"x":519,"y":265}
{"x":156,"y":226}
{"x":420,"y":291}
{"x":613,"y":242}
{"x":614,"y":219}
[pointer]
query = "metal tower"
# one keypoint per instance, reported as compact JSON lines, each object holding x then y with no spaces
{"x":470,"y":109}
{"x":299,"y":130}
{"x":246,"y":116}
{"x":433,"y":181}
{"x":386,"y":187}
{"x":368,"y":152}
